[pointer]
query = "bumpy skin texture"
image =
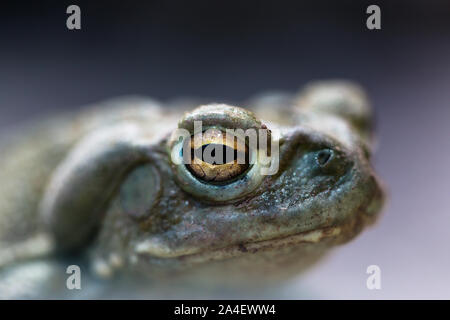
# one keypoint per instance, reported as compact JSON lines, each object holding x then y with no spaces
{"x":100,"y":186}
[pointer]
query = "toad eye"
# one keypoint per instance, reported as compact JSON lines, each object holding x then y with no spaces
{"x":221,"y":153}
{"x":217,"y":159}
{"x":216,"y":167}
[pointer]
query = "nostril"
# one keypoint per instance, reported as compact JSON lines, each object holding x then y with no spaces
{"x":324,"y":156}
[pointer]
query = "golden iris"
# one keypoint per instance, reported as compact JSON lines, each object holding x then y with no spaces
{"x":214,"y":158}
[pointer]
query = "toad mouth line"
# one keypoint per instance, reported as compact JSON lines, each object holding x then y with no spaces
{"x":314,"y":236}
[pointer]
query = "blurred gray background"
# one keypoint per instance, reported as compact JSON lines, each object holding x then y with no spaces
{"x":228,"y":51}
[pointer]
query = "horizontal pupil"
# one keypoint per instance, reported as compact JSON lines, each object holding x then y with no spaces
{"x":218,"y":154}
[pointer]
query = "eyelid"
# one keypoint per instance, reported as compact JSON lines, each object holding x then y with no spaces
{"x":220,"y":116}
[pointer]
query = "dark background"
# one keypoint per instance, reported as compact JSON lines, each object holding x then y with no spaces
{"x":228,"y":51}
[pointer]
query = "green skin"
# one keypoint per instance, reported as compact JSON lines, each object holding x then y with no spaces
{"x":99,"y":189}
